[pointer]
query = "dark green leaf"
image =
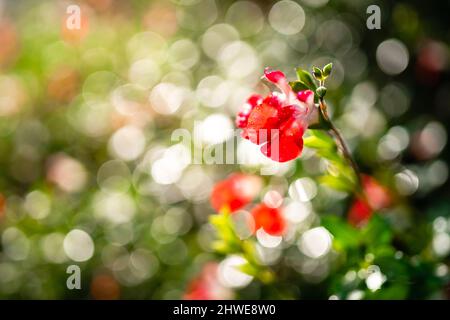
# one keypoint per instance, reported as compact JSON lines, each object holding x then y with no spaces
{"x":345,"y":236}
{"x":305,"y":77}
{"x":298,"y":86}
{"x":317,"y":73}
{"x":377,"y":232}
{"x":327,"y":70}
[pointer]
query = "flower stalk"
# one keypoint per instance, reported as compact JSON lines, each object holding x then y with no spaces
{"x":340,"y":141}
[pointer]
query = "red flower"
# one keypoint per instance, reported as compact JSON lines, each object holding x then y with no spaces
{"x":270,"y":219}
{"x":2,"y":205}
{"x":359,"y":213}
{"x":235,"y":192}
{"x":377,"y":197}
{"x":278,"y":122}
{"x":206,"y":286}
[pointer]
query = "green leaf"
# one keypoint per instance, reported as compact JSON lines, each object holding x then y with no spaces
{"x":377,"y":232}
{"x":221,"y":247}
{"x":345,"y":236}
{"x":248,"y":269}
{"x":298,"y":86}
{"x":322,"y":135}
{"x":315,"y":143}
{"x":266,"y":276}
{"x":224,"y":228}
{"x":323,"y":143}
{"x":343,"y":178}
{"x":337,"y":183}
{"x":317,"y":73}
{"x":305,"y":77}
{"x":327,"y":70}
{"x":398,"y":281}
{"x":219,"y":221}
{"x":332,"y":156}
{"x":389,"y":291}
{"x":249,"y":250}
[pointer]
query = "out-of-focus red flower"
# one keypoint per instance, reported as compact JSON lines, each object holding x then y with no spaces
{"x":161,"y":18}
{"x":8,"y":42}
{"x":377,"y":197}
{"x":100,"y":5}
{"x":63,"y":84}
{"x":2,"y":206}
{"x":359,"y":213}
{"x":270,"y":219}
{"x":206,"y":285}
{"x":278,"y":121}
{"x":431,"y":61}
{"x":105,"y":287}
{"x":235,"y":192}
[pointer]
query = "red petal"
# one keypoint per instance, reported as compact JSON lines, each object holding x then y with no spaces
{"x":359,"y":213}
{"x":263,"y":116}
{"x":234,"y":192}
{"x":242,"y":116}
{"x":378,"y":196}
{"x":274,"y":100}
{"x":288,"y":143}
{"x":224,"y":195}
{"x":305,"y":95}
{"x":288,"y":112}
{"x":270,"y":219}
{"x":274,"y":76}
{"x":293,"y":128}
{"x":280,"y":80}
{"x":262,"y":119}
{"x":288,"y":149}
{"x":254,"y":100}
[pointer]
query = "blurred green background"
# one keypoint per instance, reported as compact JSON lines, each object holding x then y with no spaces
{"x":89,"y":174}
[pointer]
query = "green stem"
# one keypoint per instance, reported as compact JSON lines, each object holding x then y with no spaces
{"x":341,"y":143}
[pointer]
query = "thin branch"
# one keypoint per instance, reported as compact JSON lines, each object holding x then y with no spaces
{"x":343,"y":146}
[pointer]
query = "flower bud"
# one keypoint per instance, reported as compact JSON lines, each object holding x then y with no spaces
{"x":321,"y":91}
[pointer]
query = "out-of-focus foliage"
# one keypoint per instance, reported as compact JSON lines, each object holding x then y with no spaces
{"x":89,"y":174}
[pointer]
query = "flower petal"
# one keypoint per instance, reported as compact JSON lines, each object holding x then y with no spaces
{"x":277,"y":77}
{"x":270,"y":219}
{"x":274,"y":76}
{"x":242,"y":116}
{"x":284,"y":149}
{"x":306,"y":96}
{"x":261,"y":120}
